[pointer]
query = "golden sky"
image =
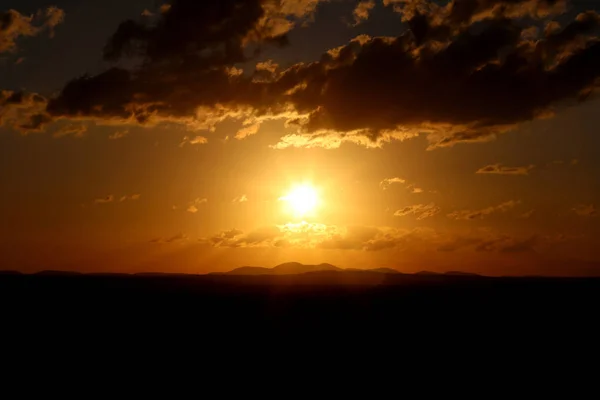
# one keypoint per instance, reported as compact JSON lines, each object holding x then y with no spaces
{"x":202,"y":136}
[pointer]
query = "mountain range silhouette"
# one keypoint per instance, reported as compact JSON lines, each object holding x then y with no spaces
{"x":295,"y":268}
{"x":288,"y":268}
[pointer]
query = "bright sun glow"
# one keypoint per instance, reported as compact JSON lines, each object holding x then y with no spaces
{"x":302,"y":200}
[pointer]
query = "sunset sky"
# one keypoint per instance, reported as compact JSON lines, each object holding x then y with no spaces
{"x":198,"y":136}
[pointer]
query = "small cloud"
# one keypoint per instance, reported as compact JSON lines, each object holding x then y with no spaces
{"x":20,"y":60}
{"x":132,"y":197}
{"x":470,"y":215}
{"x":76,"y":131}
{"x":247,"y":131}
{"x":14,"y":25}
{"x":362,"y":11}
{"x":177,"y":238}
{"x":574,"y":161}
{"x":118,"y":135}
{"x":241,"y":199}
{"x":193,"y":141}
{"x":180,"y":237}
{"x":104,"y":200}
{"x":585,"y":210}
{"x":147,"y":13}
{"x":111,"y":198}
{"x":421,"y":211}
{"x":498,"y":169}
{"x":386,"y":183}
{"x":527,"y":214}
{"x":193,"y":206}
{"x":234,"y":71}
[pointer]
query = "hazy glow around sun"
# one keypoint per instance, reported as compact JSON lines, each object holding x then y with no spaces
{"x":302,"y":200}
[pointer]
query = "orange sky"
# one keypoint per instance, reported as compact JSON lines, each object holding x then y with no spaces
{"x":174,"y":167}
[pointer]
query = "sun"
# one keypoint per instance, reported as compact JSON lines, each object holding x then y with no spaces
{"x":302,"y":200}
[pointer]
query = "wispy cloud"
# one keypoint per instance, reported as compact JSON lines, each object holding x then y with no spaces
{"x":193,"y":140}
{"x":386,"y":183}
{"x":499,"y":169}
{"x":421,"y":211}
{"x":574,"y":161}
{"x":104,"y":200}
{"x":112,"y":198}
{"x":527,"y":215}
{"x":180,"y":237}
{"x":74,"y":130}
{"x":240,"y":199}
{"x":131,"y":197}
{"x":118,"y":135}
{"x":247,"y":131}
{"x":585,"y":210}
{"x":481,"y":214}
{"x":193,"y":206}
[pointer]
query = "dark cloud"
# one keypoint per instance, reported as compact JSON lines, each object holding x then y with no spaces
{"x":186,"y":57}
{"x":462,"y":72}
{"x":470,"y":215}
{"x":498,"y":169}
{"x":14,"y":25}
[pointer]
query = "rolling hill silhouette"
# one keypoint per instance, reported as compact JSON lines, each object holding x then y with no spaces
{"x":295,"y":268}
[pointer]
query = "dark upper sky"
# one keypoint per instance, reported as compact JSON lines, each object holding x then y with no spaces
{"x":149,"y":135}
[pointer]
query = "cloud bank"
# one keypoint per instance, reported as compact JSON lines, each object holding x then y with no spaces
{"x":463,"y":72}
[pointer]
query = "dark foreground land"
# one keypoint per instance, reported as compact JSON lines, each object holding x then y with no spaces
{"x":327,"y":305}
{"x":320,"y":323}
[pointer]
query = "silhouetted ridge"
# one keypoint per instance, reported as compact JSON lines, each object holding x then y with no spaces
{"x":294,"y":268}
{"x":460,"y":273}
{"x":384,"y":270}
{"x":58,"y":273}
{"x":250,"y":271}
{"x":427,"y":273}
